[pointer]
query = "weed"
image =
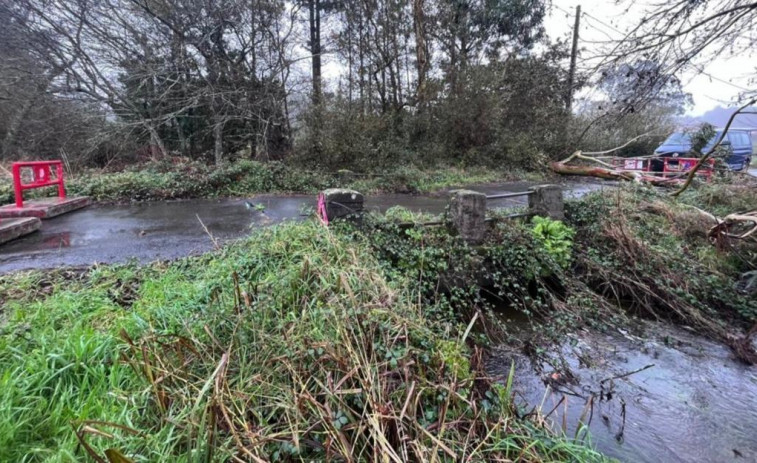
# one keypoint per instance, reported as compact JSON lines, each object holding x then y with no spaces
{"x":296,"y":344}
{"x":556,"y":237}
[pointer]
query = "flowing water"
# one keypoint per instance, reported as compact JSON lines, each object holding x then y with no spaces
{"x":677,"y":398}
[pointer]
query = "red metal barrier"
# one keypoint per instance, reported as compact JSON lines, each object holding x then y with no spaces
{"x":666,"y":167}
{"x":41,"y":176}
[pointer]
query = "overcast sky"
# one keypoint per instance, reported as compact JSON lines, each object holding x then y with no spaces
{"x":720,"y":84}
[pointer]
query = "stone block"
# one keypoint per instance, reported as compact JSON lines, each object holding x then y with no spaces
{"x":13,"y":228}
{"x":44,"y":208}
{"x":341,"y":202}
{"x":547,"y":201}
{"x":467,"y":214}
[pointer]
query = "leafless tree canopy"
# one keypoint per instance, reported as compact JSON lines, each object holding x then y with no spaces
{"x":340,"y":83}
{"x":683,"y":35}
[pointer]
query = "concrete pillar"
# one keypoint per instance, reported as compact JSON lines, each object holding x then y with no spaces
{"x":547,"y":201}
{"x":467,"y":211}
{"x":341,"y":202}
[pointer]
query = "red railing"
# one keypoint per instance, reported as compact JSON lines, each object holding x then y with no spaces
{"x":41,"y":176}
{"x":666,"y":167}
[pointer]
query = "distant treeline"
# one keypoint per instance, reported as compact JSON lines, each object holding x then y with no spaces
{"x":361,"y":84}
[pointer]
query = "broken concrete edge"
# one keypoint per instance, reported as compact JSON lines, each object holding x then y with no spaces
{"x":45,"y":208}
{"x":466,"y":211}
{"x":11,"y":229}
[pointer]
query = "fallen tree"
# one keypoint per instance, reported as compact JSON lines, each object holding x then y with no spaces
{"x":742,"y":226}
{"x":599,"y":168}
{"x":605,"y":170}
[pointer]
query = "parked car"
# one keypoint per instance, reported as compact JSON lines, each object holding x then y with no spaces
{"x":738,"y":142}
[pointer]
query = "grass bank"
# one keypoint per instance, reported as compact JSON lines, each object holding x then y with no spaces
{"x":182,"y":179}
{"x":353,"y":343}
{"x":650,"y":255}
{"x":299,"y":343}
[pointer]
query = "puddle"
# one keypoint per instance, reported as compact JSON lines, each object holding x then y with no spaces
{"x":173,"y":229}
{"x":695,"y":404}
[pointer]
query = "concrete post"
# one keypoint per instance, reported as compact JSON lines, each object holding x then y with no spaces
{"x":341,"y":202}
{"x":467,"y":211}
{"x":547,"y":201}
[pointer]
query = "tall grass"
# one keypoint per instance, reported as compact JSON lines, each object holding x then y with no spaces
{"x":291,"y":345}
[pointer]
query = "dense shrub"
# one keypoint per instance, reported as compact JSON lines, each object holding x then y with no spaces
{"x":180,"y":179}
{"x":508,"y":115}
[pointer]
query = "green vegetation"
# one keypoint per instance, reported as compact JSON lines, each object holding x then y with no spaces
{"x":644,"y":252}
{"x":556,"y":237}
{"x":308,"y":343}
{"x":633,"y":252}
{"x":295,"y":344}
{"x":181,"y":179}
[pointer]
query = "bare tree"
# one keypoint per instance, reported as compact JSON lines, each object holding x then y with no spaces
{"x":681,"y":35}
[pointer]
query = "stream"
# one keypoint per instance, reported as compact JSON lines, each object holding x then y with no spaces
{"x":676,"y":397}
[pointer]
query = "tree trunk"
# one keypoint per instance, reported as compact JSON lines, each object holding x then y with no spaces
{"x":183,"y":144}
{"x":157,"y":147}
{"x":421,"y":52}
{"x":218,"y":140}
{"x":604,"y":170}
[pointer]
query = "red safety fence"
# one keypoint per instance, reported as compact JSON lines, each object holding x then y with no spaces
{"x":43,"y":173}
{"x":666,"y":167}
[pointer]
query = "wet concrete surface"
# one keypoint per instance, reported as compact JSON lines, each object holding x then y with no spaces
{"x":171,"y":229}
{"x":695,"y":404}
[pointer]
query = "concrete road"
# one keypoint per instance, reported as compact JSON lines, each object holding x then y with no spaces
{"x":172,"y":229}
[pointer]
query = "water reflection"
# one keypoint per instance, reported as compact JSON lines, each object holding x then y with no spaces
{"x":678,"y":398}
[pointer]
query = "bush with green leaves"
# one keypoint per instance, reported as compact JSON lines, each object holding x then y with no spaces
{"x":556,"y":237}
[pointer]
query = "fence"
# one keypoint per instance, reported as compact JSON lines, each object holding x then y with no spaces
{"x":41,"y":176}
{"x":666,"y":167}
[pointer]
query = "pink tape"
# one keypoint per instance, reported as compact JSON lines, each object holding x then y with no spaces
{"x":321,"y":210}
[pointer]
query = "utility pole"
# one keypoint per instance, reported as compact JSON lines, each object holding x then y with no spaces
{"x":572,"y":72}
{"x":315,"y":48}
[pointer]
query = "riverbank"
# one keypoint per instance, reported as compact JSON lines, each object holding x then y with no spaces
{"x":293,"y":344}
{"x":178,"y":178}
{"x":354,"y":341}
